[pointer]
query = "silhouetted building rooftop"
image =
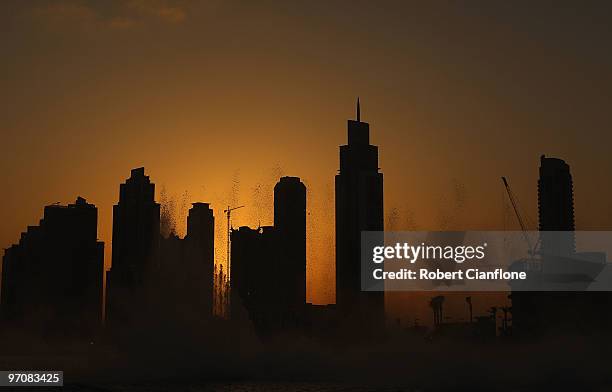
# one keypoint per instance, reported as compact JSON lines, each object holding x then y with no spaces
{"x":52,"y":280}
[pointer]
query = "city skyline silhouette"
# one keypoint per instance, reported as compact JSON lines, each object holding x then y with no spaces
{"x":185,"y":185}
{"x":446,"y":88}
{"x":170,"y":217}
{"x":151,"y":264}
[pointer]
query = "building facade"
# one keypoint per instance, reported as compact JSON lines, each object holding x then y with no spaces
{"x":268,"y":265}
{"x":200,"y":257}
{"x":52,"y":280}
{"x":290,"y":227}
{"x":556,"y":207}
{"x":135,"y":254}
{"x":359,"y":207}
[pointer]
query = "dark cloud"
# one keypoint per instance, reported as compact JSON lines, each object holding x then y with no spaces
{"x":115,"y":14}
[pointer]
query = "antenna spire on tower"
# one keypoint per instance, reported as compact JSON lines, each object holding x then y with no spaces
{"x":358,"y":111}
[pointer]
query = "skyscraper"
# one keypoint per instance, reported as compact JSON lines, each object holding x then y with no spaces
{"x":254,"y":279}
{"x":556,"y":207}
{"x":359,"y":207}
{"x":200,"y":254}
{"x":135,"y":246}
{"x":535,"y":313}
{"x":52,"y":279}
{"x":290,"y":226}
{"x":183,"y":282}
{"x":269,"y":264}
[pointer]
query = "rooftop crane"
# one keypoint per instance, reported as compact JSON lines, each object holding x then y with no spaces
{"x":228,"y":213}
{"x":512,"y":198}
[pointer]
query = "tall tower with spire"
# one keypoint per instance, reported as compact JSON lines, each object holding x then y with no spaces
{"x":359,"y":207}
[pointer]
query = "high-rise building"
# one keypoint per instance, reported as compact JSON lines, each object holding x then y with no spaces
{"x":536,"y":313}
{"x":268,"y":276}
{"x":359,"y":207}
{"x":184,"y":279}
{"x":556,"y":207}
{"x":290,"y":227}
{"x":254,"y":286}
{"x":52,"y":280}
{"x":200,"y":255}
{"x":136,"y":234}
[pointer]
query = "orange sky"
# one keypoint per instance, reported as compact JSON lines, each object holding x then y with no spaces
{"x":218,"y":98}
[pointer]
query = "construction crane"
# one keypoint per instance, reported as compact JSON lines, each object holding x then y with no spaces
{"x":228,"y":213}
{"x":521,"y":222}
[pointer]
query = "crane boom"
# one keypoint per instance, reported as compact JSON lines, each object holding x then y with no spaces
{"x":518,"y":215}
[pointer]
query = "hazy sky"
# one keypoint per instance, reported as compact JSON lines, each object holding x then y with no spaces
{"x":218,"y":98}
